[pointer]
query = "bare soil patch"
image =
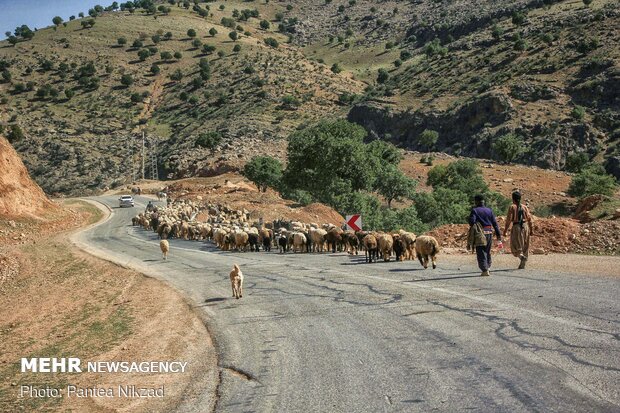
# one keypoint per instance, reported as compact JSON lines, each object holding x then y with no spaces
{"x":58,"y":301}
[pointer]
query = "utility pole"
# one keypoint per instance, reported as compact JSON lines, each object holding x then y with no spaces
{"x":143,"y":155}
{"x":153,"y":158}
{"x":131,"y":157}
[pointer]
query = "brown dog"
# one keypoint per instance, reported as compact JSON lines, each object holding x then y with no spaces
{"x":236,"y":282}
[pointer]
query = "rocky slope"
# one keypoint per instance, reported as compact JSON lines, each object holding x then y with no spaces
{"x":545,"y":70}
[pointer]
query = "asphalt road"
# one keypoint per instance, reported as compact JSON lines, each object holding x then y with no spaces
{"x":329,"y":333}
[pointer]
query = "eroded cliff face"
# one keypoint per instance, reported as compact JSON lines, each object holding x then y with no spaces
{"x":472,"y":128}
{"x":20,"y":196}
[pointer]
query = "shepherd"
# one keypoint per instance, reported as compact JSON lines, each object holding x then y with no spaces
{"x":482,"y":225}
{"x":520,"y":219}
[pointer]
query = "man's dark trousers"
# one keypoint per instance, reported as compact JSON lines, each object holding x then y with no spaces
{"x":484,"y":254}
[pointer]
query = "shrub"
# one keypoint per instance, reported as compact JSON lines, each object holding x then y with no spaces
{"x":578,"y":113}
{"x":590,"y":181}
{"x":336,"y":68}
{"x":382,"y":76}
{"x":176,"y":75}
{"x":15,"y":134}
{"x":265,"y":25}
{"x":126,"y":80}
{"x":290,"y":102}
{"x":121,"y":41}
{"x":178,"y":55}
{"x":264,"y":171}
{"x":209,"y":140}
{"x":234,"y":36}
{"x":508,"y":147}
{"x":575,"y":162}
{"x":518,"y":18}
{"x":428,"y":139}
{"x":237,"y":48}
{"x":137,"y":44}
{"x":405,"y":55}
{"x":191,"y":33}
{"x":165,"y":56}
{"x":144,"y":54}
{"x":196,"y":43}
{"x":434,"y":48}
{"x":155,"y":69}
{"x":69,"y":93}
{"x":212,"y":31}
{"x":270,"y":41}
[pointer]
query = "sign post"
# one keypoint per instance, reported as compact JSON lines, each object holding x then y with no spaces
{"x":354,"y":222}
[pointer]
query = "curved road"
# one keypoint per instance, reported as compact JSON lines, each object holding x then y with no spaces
{"x":328,"y":333}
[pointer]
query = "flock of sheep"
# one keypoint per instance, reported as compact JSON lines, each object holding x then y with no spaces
{"x":231,"y":229}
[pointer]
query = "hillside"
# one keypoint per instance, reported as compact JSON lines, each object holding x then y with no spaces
{"x":21,"y":197}
{"x":545,"y":70}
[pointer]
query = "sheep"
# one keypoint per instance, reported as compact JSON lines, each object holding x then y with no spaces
{"x":241,"y":240}
{"x":164,"y":246}
{"x":350,"y":241}
{"x":400,"y":247}
{"x":386,"y":242}
{"x":164,"y":230}
{"x":409,"y":239}
{"x":135,"y":221}
{"x":299,"y":241}
{"x":425,"y":247}
{"x":265,"y":236}
{"x":370,"y":245}
{"x":283,"y":243}
{"x":333,"y":238}
{"x":184,"y":230}
{"x":318,"y":239}
{"x":253,"y":241}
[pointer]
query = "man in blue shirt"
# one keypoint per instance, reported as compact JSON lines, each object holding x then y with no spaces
{"x":484,"y":215}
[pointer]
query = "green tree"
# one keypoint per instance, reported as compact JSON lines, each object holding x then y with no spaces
{"x":137,"y":44}
{"x":126,"y":80}
{"x":508,"y":147}
{"x":165,"y":56}
{"x":208,"y":49}
{"x":575,"y":162}
{"x":14,"y":134}
{"x":121,"y":41}
{"x":329,"y":159}
{"x":578,"y":112}
{"x":191,"y":33}
{"x":233,"y":36}
{"x":212,"y":31}
{"x":6,"y":76}
{"x":265,"y":25}
{"x":196,"y":43}
{"x":237,"y":48}
{"x":69,"y":93}
{"x":382,"y":76}
{"x":144,"y":54}
{"x":264,"y":171}
{"x":270,"y":41}
{"x":155,"y":69}
{"x":590,"y":181}
{"x":518,"y":18}
{"x":57,"y":20}
{"x":336,"y":68}
{"x":209,"y":140}
{"x":176,"y":75}
{"x":178,"y":55}
{"x":392,"y":184}
{"x":428,"y":139}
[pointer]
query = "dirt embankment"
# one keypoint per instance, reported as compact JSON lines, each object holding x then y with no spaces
{"x":19,"y":194}
{"x":237,"y":192}
{"x":551,"y":235}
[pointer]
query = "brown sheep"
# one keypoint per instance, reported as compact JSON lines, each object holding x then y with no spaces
{"x":426,"y":247}
{"x":386,"y":243}
{"x":165,"y":248}
{"x":370,"y":245}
